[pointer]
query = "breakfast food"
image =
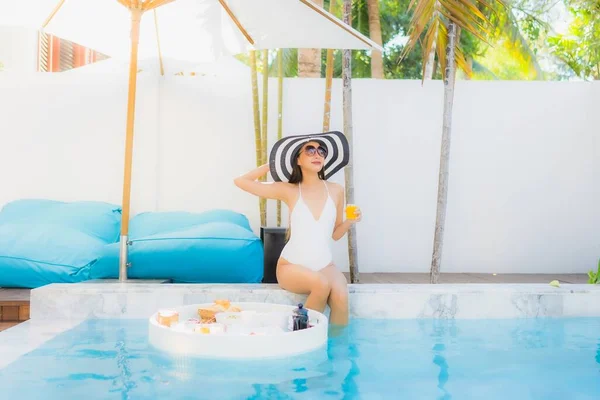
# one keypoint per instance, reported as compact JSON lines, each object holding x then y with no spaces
{"x":202,"y":328}
{"x":207,"y":314}
{"x":209,"y":329}
{"x":167,"y":317}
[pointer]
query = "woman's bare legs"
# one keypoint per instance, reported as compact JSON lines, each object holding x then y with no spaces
{"x":301,"y":280}
{"x":338,"y":296}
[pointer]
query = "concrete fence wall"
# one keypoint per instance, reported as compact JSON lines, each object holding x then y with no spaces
{"x":524,"y":172}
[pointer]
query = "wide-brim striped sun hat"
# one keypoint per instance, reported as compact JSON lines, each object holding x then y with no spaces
{"x":283,"y":153}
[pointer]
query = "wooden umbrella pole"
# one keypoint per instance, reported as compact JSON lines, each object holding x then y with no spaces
{"x":136,"y":15}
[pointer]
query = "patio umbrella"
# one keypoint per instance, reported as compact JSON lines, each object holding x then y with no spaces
{"x":192,"y":30}
{"x":228,"y":67}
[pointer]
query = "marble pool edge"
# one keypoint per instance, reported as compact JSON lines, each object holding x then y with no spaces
{"x":112,"y":299}
{"x":56,"y":308}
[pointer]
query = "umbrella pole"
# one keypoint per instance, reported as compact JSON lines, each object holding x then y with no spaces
{"x":136,"y":15}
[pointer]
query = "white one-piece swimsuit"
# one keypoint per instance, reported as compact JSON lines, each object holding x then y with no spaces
{"x":310,"y":240}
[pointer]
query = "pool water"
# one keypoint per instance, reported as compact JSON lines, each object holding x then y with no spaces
{"x":370,"y":359}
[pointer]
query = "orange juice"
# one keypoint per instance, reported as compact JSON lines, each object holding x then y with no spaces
{"x":351,"y":211}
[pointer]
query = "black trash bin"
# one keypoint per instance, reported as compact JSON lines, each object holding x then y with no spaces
{"x":273,"y":239}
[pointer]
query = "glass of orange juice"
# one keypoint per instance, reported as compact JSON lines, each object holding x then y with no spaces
{"x":351,"y":211}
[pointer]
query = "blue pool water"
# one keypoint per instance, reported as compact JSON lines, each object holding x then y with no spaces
{"x":372,"y":359}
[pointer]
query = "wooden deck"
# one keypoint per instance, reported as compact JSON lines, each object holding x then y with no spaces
{"x":469,"y":278}
{"x":14,"y":303}
{"x":14,"y":307}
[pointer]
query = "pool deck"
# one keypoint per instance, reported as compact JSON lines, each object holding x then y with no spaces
{"x":15,"y":303}
{"x":14,"y":307}
{"x":423,"y":278}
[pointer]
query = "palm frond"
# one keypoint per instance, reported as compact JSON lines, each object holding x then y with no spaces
{"x":430,"y":19}
{"x":429,"y":41}
{"x":442,"y":41}
{"x":461,"y":62}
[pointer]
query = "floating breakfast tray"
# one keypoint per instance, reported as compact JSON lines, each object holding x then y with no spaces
{"x":252,"y":330}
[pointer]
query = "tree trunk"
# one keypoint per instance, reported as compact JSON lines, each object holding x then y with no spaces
{"x":348,"y":172}
{"x":257,"y":133}
{"x":279,"y":113}
{"x":375,"y":34}
{"x":442,"y":196}
{"x":309,"y":60}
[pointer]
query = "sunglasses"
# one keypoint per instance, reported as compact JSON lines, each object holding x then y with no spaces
{"x":312,"y":150}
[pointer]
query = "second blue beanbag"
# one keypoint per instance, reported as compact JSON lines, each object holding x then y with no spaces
{"x":213,"y":247}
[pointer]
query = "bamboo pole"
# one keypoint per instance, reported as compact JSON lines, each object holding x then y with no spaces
{"x":256,"y":108}
{"x":265,"y":113}
{"x":328,"y":81}
{"x":348,"y":128}
{"x":136,"y":15}
{"x":279,"y":113}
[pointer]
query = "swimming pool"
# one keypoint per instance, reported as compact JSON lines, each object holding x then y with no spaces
{"x":543,"y":358}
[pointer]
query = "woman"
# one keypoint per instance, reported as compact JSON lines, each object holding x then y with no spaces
{"x":316,"y":216}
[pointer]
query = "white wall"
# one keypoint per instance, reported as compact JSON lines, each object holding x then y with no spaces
{"x":63,"y":137}
{"x":18,"y":49}
{"x":524,"y":179}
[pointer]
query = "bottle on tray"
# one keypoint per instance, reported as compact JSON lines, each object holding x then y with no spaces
{"x":300,"y":318}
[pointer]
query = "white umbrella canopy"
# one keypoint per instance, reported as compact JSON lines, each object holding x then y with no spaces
{"x":228,"y":67}
{"x":191,"y":30}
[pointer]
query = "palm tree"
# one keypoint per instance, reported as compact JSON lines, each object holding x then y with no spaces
{"x":309,"y":60}
{"x":509,"y":34}
{"x":440,"y":22}
{"x":375,"y":34}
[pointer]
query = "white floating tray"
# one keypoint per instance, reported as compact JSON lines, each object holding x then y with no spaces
{"x":233,"y":346}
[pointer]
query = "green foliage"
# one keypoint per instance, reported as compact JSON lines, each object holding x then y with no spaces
{"x":394,"y":24}
{"x":594,"y":277}
{"x":519,"y":35}
{"x":504,"y":62}
{"x":579,"y":48}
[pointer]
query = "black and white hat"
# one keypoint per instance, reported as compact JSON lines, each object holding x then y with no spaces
{"x":284,"y":151}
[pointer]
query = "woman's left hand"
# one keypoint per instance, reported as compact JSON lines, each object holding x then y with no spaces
{"x":358,"y":214}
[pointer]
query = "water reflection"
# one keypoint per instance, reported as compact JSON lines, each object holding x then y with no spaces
{"x":123,"y":355}
{"x":330,"y":371}
{"x":443,"y":375}
{"x":443,"y":331}
{"x":343,"y":352}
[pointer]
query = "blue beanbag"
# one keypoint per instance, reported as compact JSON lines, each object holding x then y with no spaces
{"x":151,"y":223}
{"x":98,"y":219}
{"x":45,"y":241}
{"x":212,"y":247}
